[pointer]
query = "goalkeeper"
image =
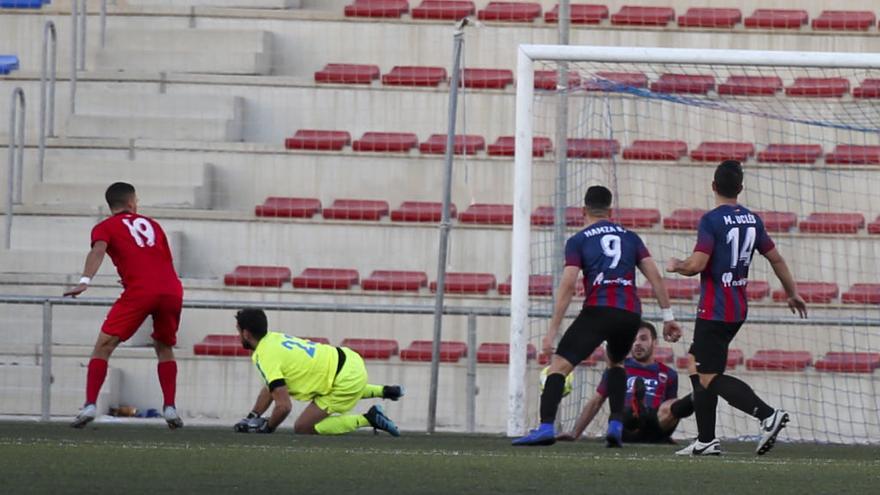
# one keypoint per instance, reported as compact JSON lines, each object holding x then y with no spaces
{"x":331,"y":379}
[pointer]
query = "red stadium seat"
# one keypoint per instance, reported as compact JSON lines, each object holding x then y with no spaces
{"x":421,"y":211}
{"x":326,"y":278}
{"x":655,"y":150}
{"x":288,"y":207}
{"x":386,"y":142}
{"x":790,"y":153}
{"x":548,"y":80}
{"x":777,"y":19}
{"x":710,"y":18}
{"x":356,"y":209}
{"x":757,"y":290}
{"x":467,"y":283}
{"x":499,"y":353}
{"x":615,"y":81}
{"x":779,"y":360}
{"x":874,"y":227}
{"x":811,"y":292}
{"x":421,"y":350}
{"x":862,"y":294}
{"x":635,"y":218}
{"x":464,"y":144}
{"x":833,"y":223}
{"x":546,"y":215}
{"x":818,"y":87}
{"x":719,"y":151}
{"x":377,"y":8}
{"x":347,"y":74}
{"x":734,"y":357}
{"x":845,"y":20}
{"x":592,"y":148}
{"x":750,"y":86}
{"x":580,"y":14}
{"x":678,"y":288}
{"x":395,"y":280}
{"x":510,"y":12}
{"x":487,"y":214}
{"x":683,"y":219}
{"x":683,"y":83}
{"x":257,"y":276}
{"x":870,"y":88}
{"x":372,"y":348}
{"x":664,"y":355}
{"x":643,"y":16}
{"x":446,"y":10}
{"x":414,"y":76}
{"x":308,"y":139}
{"x":778,"y":221}
{"x":849,"y":362}
{"x":486,"y":78}
{"x":220,"y":345}
{"x":506,"y":146}
{"x":317,"y":340}
{"x":539,"y":285}
{"x":854,"y":155}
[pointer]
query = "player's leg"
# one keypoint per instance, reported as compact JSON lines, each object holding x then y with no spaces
{"x":390,"y":392}
{"x":166,"y":320}
{"x":578,"y":342}
{"x":619,"y":329}
{"x":672,"y":411}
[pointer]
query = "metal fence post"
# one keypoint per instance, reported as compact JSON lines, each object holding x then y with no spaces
{"x":16,"y":137}
{"x":47,"y":93}
{"x":46,"y":363}
{"x":103,"y":22}
{"x":74,"y":36}
{"x":472,"y":390}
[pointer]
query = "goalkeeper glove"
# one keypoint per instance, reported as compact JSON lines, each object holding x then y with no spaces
{"x":244,"y":426}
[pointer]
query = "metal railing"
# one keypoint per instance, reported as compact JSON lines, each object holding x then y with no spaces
{"x":15,"y":157}
{"x":79,"y":24}
{"x":47,"y":92}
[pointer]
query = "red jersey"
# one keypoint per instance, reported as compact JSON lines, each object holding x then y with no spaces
{"x":138,"y":247}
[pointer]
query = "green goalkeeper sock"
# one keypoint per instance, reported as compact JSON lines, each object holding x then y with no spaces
{"x":373,"y":392}
{"x":338,"y":425}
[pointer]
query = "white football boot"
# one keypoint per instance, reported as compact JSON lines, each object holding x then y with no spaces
{"x":771,"y":427}
{"x":172,"y":418}
{"x":700,"y":448}
{"x":86,"y":415}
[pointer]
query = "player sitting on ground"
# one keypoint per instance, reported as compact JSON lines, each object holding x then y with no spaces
{"x":331,"y":379}
{"x":139,"y":249}
{"x":652,"y":408}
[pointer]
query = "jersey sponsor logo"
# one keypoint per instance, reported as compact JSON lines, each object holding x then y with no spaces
{"x":728,"y":281}
{"x":620,"y":281}
{"x":662,"y":377}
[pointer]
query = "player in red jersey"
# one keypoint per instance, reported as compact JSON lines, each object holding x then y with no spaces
{"x":138,"y":247}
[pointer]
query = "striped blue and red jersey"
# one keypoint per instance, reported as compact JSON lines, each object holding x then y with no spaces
{"x":729,"y":234}
{"x":608,"y":255}
{"x":661,"y":382}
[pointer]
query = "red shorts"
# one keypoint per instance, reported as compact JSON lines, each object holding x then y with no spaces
{"x":131,"y":309}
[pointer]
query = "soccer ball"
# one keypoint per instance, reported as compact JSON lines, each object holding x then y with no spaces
{"x":569,"y":380}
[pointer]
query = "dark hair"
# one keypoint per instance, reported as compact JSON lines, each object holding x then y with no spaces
{"x":729,"y":178}
{"x":650,"y":327}
{"x":118,"y":194}
{"x":253,"y":320}
{"x":598,"y":199}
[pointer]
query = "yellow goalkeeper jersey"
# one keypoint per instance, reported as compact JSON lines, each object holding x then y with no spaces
{"x":307,"y":368}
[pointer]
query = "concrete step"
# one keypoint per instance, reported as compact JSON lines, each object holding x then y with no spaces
{"x":56,"y":193}
{"x":139,"y":173}
{"x":20,"y":388}
{"x":191,"y":61}
{"x":124,"y":104}
{"x":184,"y":129}
{"x":19,"y":260}
{"x":193,"y":40}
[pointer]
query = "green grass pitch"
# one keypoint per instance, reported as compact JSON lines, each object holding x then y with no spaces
{"x":126,"y":459}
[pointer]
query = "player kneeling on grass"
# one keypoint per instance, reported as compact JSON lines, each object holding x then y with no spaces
{"x":331,"y":379}
{"x":652,"y":409}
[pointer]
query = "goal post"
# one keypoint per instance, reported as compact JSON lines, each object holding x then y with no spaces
{"x":807,"y":127}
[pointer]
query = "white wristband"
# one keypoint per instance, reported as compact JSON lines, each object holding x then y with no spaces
{"x":667,"y":314}
{"x":85,"y":280}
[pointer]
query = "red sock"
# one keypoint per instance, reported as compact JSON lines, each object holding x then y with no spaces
{"x":95,"y":378}
{"x":168,"y":381}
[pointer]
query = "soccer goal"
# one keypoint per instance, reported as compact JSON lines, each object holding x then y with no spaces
{"x":651,"y":124}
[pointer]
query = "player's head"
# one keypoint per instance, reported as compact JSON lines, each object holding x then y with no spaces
{"x":597,"y":202}
{"x":121,"y":196}
{"x":643,"y":346}
{"x":728,"y":181}
{"x":252,"y":326}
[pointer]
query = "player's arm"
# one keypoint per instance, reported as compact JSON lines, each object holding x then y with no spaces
{"x":264,"y":400}
{"x":783,"y":273}
{"x":694,"y":264}
{"x":93,"y":264}
{"x":283,"y":405}
{"x":671,"y":328}
{"x":591,"y":408}
{"x":564,"y":294}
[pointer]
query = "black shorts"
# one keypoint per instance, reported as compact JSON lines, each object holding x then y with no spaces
{"x":594,"y":325}
{"x":646,"y":431}
{"x":711,"y":339}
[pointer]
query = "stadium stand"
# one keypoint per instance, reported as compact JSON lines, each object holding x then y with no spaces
{"x":845,"y":20}
{"x":592,"y":148}
{"x":288,"y":207}
{"x":862,"y":294}
{"x":445,"y":10}
{"x":545,"y":215}
{"x":812,"y":292}
{"x":462,"y":144}
{"x":643,"y":16}
{"x":664,"y":355}
{"x":636,"y":218}
{"x":258,"y":276}
{"x":735,"y":357}
{"x":377,"y":8}
{"x":421,"y":211}
{"x":548,"y":80}
{"x":487,"y":214}
{"x":790,"y":153}
{"x":870,"y":88}
{"x":655,"y":150}
{"x":499,"y":352}
{"x":684,"y":83}
{"x":874,"y":227}
{"x":854,"y":154}
{"x":683,"y":219}
{"x":818,"y":87}
{"x":486,"y":78}
{"x":372,"y":348}
{"x":356,"y":209}
{"x":348,"y":74}
{"x":678,"y":288}
{"x":220,"y":345}
{"x":467,"y":283}
{"x":757,"y":290}
{"x":326,"y":278}
{"x":539,"y":285}
{"x":849,"y":362}
{"x":414,"y":76}
{"x":604,"y":79}
{"x":505,"y":146}
{"x":580,"y":14}
{"x":778,"y":221}
{"x":750,"y":86}
{"x":386,"y":142}
{"x":395,"y":280}
{"x":702,"y":17}
{"x":421,"y":350}
{"x":832,"y":223}
{"x":779,"y":360}
{"x":310,"y":139}
{"x":777,"y":19}
{"x":716,"y":151}
{"x":510,"y":12}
